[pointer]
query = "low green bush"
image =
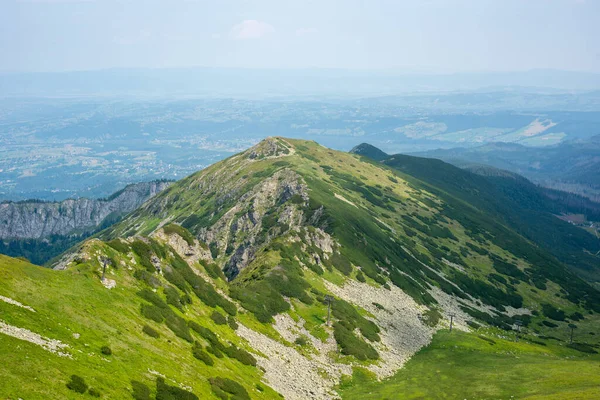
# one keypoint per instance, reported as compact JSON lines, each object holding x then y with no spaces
{"x":553,"y":313}
{"x":77,"y":384}
{"x":301,"y":340}
{"x":179,"y":327}
{"x":119,"y":246}
{"x":173,"y":298}
{"x":226,"y":389}
{"x":240,"y":354}
{"x":148,"y":330}
{"x":206,"y":333}
{"x":360,"y":277}
{"x":140,"y":391}
{"x":152,"y":297}
{"x":582,"y":347}
{"x":347,"y":315}
{"x":181,"y":231}
{"x":152,"y":312}
{"x":232,"y":323}
{"x":106,"y":350}
{"x":218,"y":318}
{"x":93,"y":392}
{"x":352,"y":345}
{"x":167,"y":392}
{"x":214,"y":271}
{"x":201,"y":355}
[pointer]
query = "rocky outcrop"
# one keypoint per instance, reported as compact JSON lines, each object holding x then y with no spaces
{"x":34,"y":219}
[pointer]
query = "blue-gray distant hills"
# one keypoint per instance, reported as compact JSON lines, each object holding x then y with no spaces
{"x":572,"y":166}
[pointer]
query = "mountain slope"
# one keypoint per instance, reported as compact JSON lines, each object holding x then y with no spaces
{"x":263,"y":239}
{"x":515,"y":201}
{"x":41,"y":230}
{"x":572,"y":166}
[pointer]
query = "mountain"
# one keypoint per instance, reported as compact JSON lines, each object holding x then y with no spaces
{"x":570,"y":166}
{"x":294,"y":270}
{"x":367,"y":150}
{"x":515,"y":201}
{"x":41,"y":230}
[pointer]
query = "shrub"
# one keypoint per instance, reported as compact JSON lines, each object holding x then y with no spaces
{"x":152,"y":312}
{"x":167,"y":392}
{"x":301,"y":340}
{"x":431,"y":317}
{"x":241,"y":355}
{"x":341,"y":263}
{"x":352,"y":345}
{"x":214,"y":271}
{"x":360,"y":277}
{"x":106,"y":350}
{"x":553,"y":313}
{"x":202,"y":289}
{"x":179,"y":327}
{"x":93,"y":392}
{"x":77,"y":384}
{"x":174,"y":298}
{"x":348,"y":315}
{"x":144,"y":253}
{"x":145,"y":276}
{"x":232,"y":323}
{"x":181,"y":231}
{"x":206,"y":334}
{"x":152,"y":297}
{"x":119,"y":246}
{"x":201,"y":355}
{"x":583,"y":347}
{"x":549,"y":324}
{"x":222,"y":386}
{"x":140,"y":391}
{"x":148,"y":330}
{"x":218,"y":318}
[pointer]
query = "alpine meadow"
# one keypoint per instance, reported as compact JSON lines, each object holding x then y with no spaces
{"x":298,"y":271}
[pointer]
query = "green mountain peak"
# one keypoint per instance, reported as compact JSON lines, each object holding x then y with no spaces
{"x":284,"y":269}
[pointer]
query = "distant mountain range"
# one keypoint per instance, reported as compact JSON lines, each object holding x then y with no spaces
{"x":572,"y":166}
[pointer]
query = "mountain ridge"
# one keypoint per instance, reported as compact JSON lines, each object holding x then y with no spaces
{"x":289,"y":268}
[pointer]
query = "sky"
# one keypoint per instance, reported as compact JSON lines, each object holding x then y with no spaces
{"x":440,"y":36}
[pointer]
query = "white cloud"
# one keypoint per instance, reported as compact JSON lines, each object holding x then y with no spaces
{"x":306,"y":31}
{"x":251,"y":29}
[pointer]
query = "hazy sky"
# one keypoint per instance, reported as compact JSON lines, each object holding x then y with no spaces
{"x":421,"y":35}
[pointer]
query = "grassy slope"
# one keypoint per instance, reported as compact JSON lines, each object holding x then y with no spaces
{"x":74,"y":301}
{"x":383,"y":197}
{"x":516,"y":202}
{"x":369,"y":234}
{"x":458,"y":365}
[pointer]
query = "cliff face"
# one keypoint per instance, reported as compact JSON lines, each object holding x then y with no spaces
{"x":24,"y":220}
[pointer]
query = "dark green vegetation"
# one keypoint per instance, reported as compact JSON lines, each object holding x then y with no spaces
{"x":514,"y":201}
{"x":471,"y":366}
{"x":228,"y":389}
{"x":571,"y":165}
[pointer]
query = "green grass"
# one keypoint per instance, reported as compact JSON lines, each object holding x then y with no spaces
{"x":458,"y":365}
{"x":74,"y":301}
